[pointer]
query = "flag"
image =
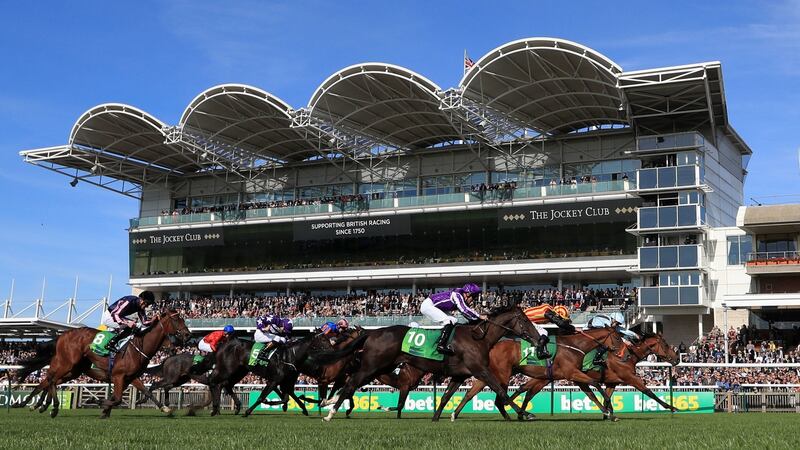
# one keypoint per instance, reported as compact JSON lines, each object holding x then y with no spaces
{"x":468,"y":63}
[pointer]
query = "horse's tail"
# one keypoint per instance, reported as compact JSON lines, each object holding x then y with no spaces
{"x":44,"y":353}
{"x":335,"y":355}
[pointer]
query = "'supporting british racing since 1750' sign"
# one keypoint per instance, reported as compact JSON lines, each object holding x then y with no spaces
{"x":568,"y":213}
{"x":352,"y":227}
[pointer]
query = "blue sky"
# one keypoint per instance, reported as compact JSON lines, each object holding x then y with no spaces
{"x":59,"y":59}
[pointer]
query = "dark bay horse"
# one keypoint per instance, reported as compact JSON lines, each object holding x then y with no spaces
{"x":174,"y":372}
{"x":381,"y":353}
{"x":280,"y":373}
{"x":505,"y":358}
{"x":73,"y":358}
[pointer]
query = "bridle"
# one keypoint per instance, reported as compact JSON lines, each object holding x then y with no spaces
{"x":600,"y":342}
{"x":485,"y":329}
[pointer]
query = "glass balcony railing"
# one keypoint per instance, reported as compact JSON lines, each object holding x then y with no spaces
{"x":773,"y":258}
{"x":671,"y":296}
{"x":670,"y":257}
{"x":668,"y":177}
{"x":670,"y":141}
{"x":497,"y":195}
{"x":578,"y":317}
{"x":655,"y":217}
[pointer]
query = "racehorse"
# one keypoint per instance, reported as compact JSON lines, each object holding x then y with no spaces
{"x":622,"y":370}
{"x":505,"y":360}
{"x":174,"y":371}
{"x":233,"y":364}
{"x":73,"y":357}
{"x":381,"y":353}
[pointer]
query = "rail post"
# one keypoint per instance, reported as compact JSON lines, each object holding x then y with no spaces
{"x":671,"y":403}
{"x":552,"y":397}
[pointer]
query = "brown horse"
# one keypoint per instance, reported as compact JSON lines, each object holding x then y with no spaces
{"x":621,"y":369}
{"x":382,"y":353}
{"x":505,"y":357}
{"x":73,"y":358}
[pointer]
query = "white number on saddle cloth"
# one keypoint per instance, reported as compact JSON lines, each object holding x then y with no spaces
{"x":528,"y":352}
{"x":98,"y":339}
{"x":417,"y":339}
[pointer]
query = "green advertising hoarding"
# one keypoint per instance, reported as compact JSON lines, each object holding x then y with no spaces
{"x":17,"y":397}
{"x":563,"y":402}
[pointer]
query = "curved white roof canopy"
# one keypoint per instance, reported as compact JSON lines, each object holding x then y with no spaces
{"x":551,"y":85}
{"x":129,"y":133}
{"x":248,"y":118}
{"x":389,"y":103}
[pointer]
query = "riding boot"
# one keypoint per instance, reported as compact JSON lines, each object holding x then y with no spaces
{"x":541,"y":349}
{"x":114,"y":341}
{"x":598,"y":357}
{"x":441,"y":344}
{"x":263,"y":355}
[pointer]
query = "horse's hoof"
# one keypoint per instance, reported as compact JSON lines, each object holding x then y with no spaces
{"x":326,"y":419}
{"x":614,"y":418}
{"x":435,"y":419}
{"x":526,"y":417}
{"x":305,"y":413}
{"x":166,"y":410}
{"x":452,"y":417}
{"x":190,"y":413}
{"x":53,"y":414}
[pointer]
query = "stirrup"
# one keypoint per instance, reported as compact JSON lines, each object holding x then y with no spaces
{"x":543,"y":354}
{"x":445,"y":350}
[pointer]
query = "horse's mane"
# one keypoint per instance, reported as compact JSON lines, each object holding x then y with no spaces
{"x":503,"y":307}
{"x":648,"y":334}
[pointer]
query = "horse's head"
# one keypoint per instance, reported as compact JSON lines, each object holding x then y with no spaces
{"x":511,"y":317}
{"x":174,"y":325}
{"x":609,"y":337}
{"x":656,"y":345}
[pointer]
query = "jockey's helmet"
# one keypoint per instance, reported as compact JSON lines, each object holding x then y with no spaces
{"x":562,"y":311}
{"x":228,"y":329}
{"x":288,"y":325}
{"x":343,"y":323}
{"x":148,"y":297}
{"x":471,"y":288}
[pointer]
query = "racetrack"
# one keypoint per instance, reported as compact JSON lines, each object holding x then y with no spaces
{"x":150,"y":429}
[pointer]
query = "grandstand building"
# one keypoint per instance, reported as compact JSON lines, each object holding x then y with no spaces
{"x":547,"y":165}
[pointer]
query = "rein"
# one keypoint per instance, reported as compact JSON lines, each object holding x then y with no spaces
{"x":510,"y":330}
{"x":599,"y":342}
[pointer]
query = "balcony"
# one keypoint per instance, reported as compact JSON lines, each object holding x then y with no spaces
{"x":671,"y":257}
{"x":668,"y":178}
{"x":499,"y":196}
{"x":671,"y":296}
{"x":660,"y":218}
{"x":670,"y":142}
{"x":762,"y":263}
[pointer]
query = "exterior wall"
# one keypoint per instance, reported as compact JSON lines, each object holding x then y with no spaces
{"x":683,"y":328}
{"x":725,"y":178}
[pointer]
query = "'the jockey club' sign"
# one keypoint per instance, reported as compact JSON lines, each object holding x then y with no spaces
{"x":568,"y":213}
{"x":194,"y":237}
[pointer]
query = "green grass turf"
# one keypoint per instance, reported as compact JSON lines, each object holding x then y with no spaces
{"x":150,"y":429}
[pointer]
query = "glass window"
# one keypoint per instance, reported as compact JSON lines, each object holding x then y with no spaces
{"x":745,"y":247}
{"x":686,"y":176}
{"x":688,"y":255}
{"x":648,"y":296}
{"x":690,"y":296}
{"x":667,"y":257}
{"x":687,"y":215}
{"x":648,"y":257}
{"x":667,"y":216}
{"x":734,"y":253}
{"x":669,"y":295}
{"x":647,"y":179}
{"x":648,"y":217}
{"x":666,"y":177}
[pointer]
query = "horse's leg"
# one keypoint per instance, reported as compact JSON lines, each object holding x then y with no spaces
{"x":477,"y":386}
{"x":54,"y":399}
{"x":116,"y":399}
{"x":532,"y":387}
{"x":137,"y":383}
{"x":322,"y":392}
{"x":637,"y":382}
{"x":350,"y":408}
{"x":237,"y":403}
{"x":261,"y":398}
{"x":487,"y":377}
{"x":194,"y":407}
{"x":451,"y":389}
{"x":216,"y":398}
{"x":401,"y":400}
{"x":576,"y":376}
{"x":605,"y":406}
{"x":355,"y":381}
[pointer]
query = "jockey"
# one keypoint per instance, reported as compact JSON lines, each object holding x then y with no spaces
{"x":606,"y":320}
{"x":436,"y":307}
{"x":334,"y":330}
{"x":546,"y":313}
{"x":209,"y":345}
{"x":116,"y":316}
{"x":272,"y":330}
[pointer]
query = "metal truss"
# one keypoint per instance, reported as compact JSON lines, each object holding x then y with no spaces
{"x":112,"y":172}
